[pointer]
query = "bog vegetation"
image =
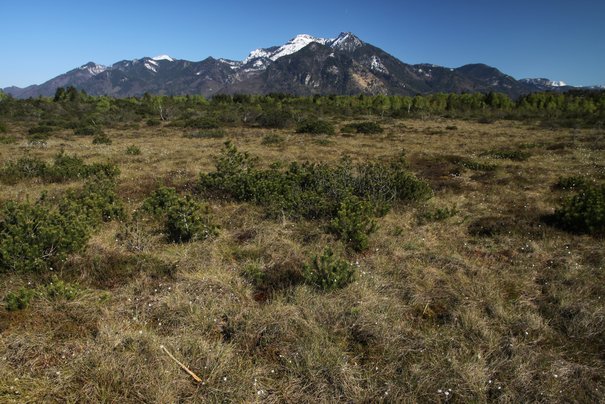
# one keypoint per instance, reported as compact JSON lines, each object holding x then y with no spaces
{"x":309,"y":249}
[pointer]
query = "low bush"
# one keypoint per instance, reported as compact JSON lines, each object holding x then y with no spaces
{"x":184,"y":218}
{"x":583,"y":212}
{"x":572,"y":183}
{"x":97,"y":201}
{"x":311,"y":191}
{"x":353,"y":223}
{"x":437,"y":214}
{"x":64,"y":168}
{"x":316,"y":127}
{"x":86,"y":131}
{"x":56,"y":290}
{"x":133,"y":150}
{"x":362,"y":127}
{"x":350,"y":195}
{"x":34,"y":237}
{"x":272,"y":139}
{"x":41,"y":129}
{"x":160,"y":201}
{"x":3,"y":128}
{"x":275,"y":119}
{"x":7,"y":139}
{"x":202,"y":123}
{"x":18,"y":300}
{"x":189,"y":220}
{"x":328,"y":272}
{"x":101,"y":138}
{"x":24,"y":167}
{"x":515,"y":155}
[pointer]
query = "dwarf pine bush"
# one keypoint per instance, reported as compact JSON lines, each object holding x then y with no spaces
{"x":189,"y":220}
{"x":33,"y":237}
{"x":353,"y":223}
{"x":317,"y":191}
{"x":18,"y":300}
{"x":362,"y":127}
{"x":64,"y":168}
{"x":316,"y":127}
{"x":184,"y":218}
{"x":584,"y":212}
{"x":328,"y":272}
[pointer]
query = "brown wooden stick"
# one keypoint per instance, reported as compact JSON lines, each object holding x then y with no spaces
{"x":185,"y":368}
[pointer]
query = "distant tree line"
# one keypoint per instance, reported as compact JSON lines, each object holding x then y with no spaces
{"x":71,"y":108}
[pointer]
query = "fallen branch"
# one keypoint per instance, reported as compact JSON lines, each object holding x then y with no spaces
{"x":185,"y":368}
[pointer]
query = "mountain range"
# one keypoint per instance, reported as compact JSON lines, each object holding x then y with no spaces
{"x":305,"y":65}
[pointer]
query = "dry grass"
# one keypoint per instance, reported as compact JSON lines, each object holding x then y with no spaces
{"x":437,"y":313}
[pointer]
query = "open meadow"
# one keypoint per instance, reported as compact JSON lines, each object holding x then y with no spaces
{"x":423,"y":263}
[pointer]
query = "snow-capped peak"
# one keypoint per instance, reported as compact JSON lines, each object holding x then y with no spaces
{"x":93,"y":68}
{"x":295,"y":44}
{"x":292,"y":46}
{"x":346,"y":41}
{"x":545,"y":82}
{"x":163,"y":57}
{"x":558,"y":83}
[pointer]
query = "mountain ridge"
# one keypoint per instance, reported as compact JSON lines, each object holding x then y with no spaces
{"x":304,"y":65}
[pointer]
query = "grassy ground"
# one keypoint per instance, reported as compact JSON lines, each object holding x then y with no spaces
{"x":489,"y":304}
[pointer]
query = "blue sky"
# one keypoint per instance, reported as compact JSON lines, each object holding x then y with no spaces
{"x":560,"y":40}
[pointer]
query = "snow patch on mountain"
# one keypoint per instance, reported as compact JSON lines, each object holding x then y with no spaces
{"x":346,"y":41}
{"x":292,"y":46}
{"x":151,"y":67}
{"x":376,"y":65}
{"x":163,"y":57}
{"x":94,"y":68}
{"x":545,"y":82}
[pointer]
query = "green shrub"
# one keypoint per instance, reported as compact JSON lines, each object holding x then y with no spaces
{"x":272,"y":139}
{"x":437,"y":214}
{"x":162,"y":199}
{"x":583,"y":212}
{"x":3,"y":128}
{"x":59,"y":290}
{"x":316,"y":127}
{"x":55,"y":290}
{"x":572,"y":183}
{"x":8,"y":139}
{"x":202,"y":123}
{"x":275,"y":119}
{"x":97,"y":201}
{"x":353,"y":223}
{"x":18,"y":300}
{"x":33,"y":237}
{"x":515,"y":155}
{"x":153,"y":122}
{"x":327,"y":272}
{"x":188,"y":220}
{"x":24,"y":167}
{"x":64,"y":168}
{"x":101,"y":138}
{"x":133,"y":150}
{"x":362,"y":127}
{"x":41,"y":129}
{"x":476,"y":165}
{"x":312,"y":191}
{"x":86,"y":131}
{"x":184,"y":218}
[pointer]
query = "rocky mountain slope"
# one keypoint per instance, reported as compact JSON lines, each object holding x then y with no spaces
{"x":305,"y":65}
